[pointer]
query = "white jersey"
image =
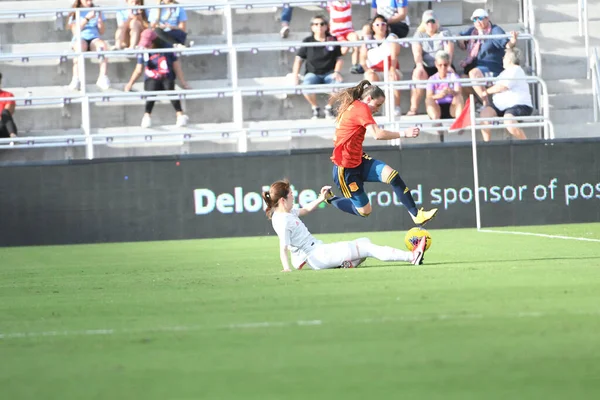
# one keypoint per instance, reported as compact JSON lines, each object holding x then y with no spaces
{"x":293,"y":233}
{"x":518,"y":90}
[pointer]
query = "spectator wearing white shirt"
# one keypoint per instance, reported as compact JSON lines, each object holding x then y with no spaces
{"x":511,"y":98}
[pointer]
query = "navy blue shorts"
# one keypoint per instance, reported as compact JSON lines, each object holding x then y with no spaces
{"x":350,"y":181}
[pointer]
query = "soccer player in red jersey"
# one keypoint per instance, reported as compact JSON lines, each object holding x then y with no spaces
{"x":352,"y":167}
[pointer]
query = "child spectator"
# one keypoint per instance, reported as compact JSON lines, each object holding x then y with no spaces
{"x":160,"y":71}
{"x":8,"y":128}
{"x":444,"y":100}
{"x":130,"y":24}
{"x":169,"y":24}
{"x":92,"y":27}
{"x":323,"y":63}
{"x":340,"y":18}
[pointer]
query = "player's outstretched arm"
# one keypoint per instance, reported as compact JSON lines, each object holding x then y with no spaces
{"x":314,"y":204}
{"x":283,"y":255}
{"x":383,"y":134}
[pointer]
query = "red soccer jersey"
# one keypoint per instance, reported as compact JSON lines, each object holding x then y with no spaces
{"x":4,"y":94}
{"x":350,"y":135}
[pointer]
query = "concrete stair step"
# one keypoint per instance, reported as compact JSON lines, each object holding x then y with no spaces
{"x":571,"y":117}
{"x":570,"y":101}
{"x":580,"y":130}
{"x":569,"y":86}
{"x":560,"y":11}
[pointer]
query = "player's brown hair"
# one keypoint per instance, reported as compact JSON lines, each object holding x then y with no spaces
{"x":277,"y":191}
{"x":342,"y":100}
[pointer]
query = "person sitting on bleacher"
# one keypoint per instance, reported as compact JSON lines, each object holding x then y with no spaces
{"x":8,"y":128}
{"x":444,"y":99}
{"x":169,"y":24}
{"x":374,"y":56}
{"x":130,"y":24}
{"x":160,"y":71}
{"x":484,"y":57}
{"x":92,"y":27}
{"x":395,"y":13}
{"x":511,"y":98}
{"x":424,"y":54}
{"x":323,"y":63}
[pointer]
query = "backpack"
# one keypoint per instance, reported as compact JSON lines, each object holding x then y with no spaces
{"x":159,"y":68}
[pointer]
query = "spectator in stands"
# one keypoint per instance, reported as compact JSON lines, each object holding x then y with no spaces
{"x":160,"y":70}
{"x":511,"y":98}
{"x":286,"y":18}
{"x":395,"y":13}
{"x":8,"y":128}
{"x":92,"y":27}
{"x":444,"y":100}
{"x":130,"y":24}
{"x":424,"y":54}
{"x":169,"y":24}
{"x":340,"y":17}
{"x":484,"y":57}
{"x":373,"y":58}
{"x":323,"y":63}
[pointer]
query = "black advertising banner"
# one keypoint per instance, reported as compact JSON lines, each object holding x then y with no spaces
{"x":201,"y":197}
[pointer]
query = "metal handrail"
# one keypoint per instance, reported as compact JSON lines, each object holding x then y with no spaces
{"x":595,"y":73}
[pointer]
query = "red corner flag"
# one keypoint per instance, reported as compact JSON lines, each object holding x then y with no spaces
{"x":464,"y":119}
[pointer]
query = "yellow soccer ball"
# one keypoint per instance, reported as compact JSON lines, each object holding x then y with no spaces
{"x":414,"y":235}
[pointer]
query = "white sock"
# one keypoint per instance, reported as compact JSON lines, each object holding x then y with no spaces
{"x":382,"y":253}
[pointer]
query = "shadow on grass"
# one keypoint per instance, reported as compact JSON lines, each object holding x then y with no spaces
{"x":518,"y":260}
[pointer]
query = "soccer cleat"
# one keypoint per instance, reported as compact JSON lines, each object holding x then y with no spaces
{"x":419,"y":251}
{"x":347,"y":264}
{"x":423,"y":216}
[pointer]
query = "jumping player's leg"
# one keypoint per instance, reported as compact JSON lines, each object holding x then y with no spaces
{"x":381,"y":172}
{"x":355,"y":200}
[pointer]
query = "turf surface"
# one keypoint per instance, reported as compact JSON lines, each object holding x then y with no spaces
{"x":488,"y":316}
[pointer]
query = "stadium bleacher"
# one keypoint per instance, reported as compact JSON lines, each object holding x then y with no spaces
{"x":50,"y":77}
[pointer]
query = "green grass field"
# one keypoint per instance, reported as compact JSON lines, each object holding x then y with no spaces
{"x":489,"y":316}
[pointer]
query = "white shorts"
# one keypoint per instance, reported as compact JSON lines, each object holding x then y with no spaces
{"x":332,"y":255}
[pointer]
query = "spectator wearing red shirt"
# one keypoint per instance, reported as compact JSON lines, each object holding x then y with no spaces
{"x":352,"y":167}
{"x":8,"y":128}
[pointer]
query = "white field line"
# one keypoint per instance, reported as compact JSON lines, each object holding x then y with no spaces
{"x":283,"y":324}
{"x":541,"y":235}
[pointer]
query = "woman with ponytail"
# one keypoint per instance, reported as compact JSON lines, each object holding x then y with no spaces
{"x":294,"y":237}
{"x":352,"y":167}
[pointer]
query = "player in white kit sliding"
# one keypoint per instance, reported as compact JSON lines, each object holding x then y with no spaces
{"x":295,"y":238}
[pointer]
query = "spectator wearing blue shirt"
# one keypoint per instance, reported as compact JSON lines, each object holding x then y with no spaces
{"x":484,"y":56}
{"x":91,"y":28}
{"x":169,"y":24}
{"x":130,"y":24}
{"x":396,"y":14}
{"x":160,"y":71}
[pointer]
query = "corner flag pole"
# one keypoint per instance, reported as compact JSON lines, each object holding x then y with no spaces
{"x":475,"y":169}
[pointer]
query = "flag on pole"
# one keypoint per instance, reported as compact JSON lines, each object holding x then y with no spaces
{"x":464,"y":119}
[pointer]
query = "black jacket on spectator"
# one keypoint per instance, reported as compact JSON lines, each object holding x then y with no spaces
{"x":320,"y":60}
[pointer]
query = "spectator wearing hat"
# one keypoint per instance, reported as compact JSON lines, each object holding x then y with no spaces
{"x":8,"y":128}
{"x":511,"y":96}
{"x":160,"y":71}
{"x":424,"y":54}
{"x":484,"y":56}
